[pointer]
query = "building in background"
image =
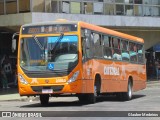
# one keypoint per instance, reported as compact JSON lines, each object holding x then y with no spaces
{"x":136,"y":17}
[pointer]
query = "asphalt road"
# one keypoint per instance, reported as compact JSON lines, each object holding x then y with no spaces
{"x":144,"y":105}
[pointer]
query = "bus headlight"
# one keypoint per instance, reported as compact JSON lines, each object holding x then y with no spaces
{"x":74,"y":77}
{"x":22,"y":80}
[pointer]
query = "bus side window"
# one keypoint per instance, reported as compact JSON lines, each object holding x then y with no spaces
{"x":97,"y":45}
{"x":116,"y":49}
{"x":86,"y":43}
{"x":125,"y":52}
{"x":133,"y":51}
{"x":107,"y":47}
{"x":140,"y":53}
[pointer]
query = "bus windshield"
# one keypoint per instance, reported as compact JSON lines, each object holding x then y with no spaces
{"x":49,"y":53}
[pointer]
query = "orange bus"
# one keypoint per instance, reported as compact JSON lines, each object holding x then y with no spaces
{"x":76,"y":58}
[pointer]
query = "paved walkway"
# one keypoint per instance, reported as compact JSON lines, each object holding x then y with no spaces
{"x":11,"y":94}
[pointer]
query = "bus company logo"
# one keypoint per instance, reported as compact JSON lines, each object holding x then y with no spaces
{"x":46,"y":81}
{"x":109,"y":70}
{"x":34,"y":81}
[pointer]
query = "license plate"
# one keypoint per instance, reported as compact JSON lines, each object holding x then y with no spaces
{"x":47,"y":90}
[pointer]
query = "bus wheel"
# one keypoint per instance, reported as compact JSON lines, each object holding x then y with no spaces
{"x":44,"y":99}
{"x":92,"y":96}
{"x":128,"y":95}
{"x":119,"y":96}
{"x":82,"y":98}
{"x":87,"y":98}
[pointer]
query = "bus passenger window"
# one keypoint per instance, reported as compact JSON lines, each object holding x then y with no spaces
{"x":116,"y":52}
{"x":97,"y":45}
{"x":125,"y":52}
{"x":107,"y":53}
{"x":107,"y":47}
{"x":116,"y":43}
{"x":133,"y":52}
{"x":87,"y":39}
{"x":140,"y":53}
{"x":125,"y":55}
{"x":124,"y":45}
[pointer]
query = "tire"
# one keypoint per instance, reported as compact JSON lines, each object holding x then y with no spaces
{"x":82,"y":98}
{"x":119,"y":96}
{"x":128,"y":95}
{"x":89,"y":98}
{"x":125,"y":96}
{"x":44,"y":99}
{"x":92,"y":96}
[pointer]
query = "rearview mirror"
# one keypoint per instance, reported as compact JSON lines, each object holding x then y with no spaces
{"x":13,"y":45}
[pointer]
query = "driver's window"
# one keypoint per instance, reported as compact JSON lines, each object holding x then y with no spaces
{"x":85,"y":40}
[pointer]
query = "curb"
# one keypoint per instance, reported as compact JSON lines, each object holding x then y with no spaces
{"x":24,"y":98}
{"x":153,"y":82}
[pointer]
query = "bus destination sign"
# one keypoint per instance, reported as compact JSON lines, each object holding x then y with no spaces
{"x":44,"y":29}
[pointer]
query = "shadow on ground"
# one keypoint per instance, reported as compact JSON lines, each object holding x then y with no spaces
{"x":77,"y":103}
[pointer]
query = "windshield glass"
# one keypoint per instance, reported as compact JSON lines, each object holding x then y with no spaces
{"x":49,"y":53}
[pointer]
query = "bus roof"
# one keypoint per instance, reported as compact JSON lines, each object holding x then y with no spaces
{"x":50,"y":23}
{"x":110,"y":32}
{"x":89,"y":26}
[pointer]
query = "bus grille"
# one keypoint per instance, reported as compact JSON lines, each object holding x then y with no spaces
{"x":56,"y":88}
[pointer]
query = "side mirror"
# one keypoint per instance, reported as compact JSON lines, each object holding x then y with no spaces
{"x":14,"y":41}
{"x":13,"y":45}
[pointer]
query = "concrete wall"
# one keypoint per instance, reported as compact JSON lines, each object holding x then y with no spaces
{"x":15,"y":19}
{"x":151,"y":37}
{"x":145,"y":25}
{"x":103,"y":20}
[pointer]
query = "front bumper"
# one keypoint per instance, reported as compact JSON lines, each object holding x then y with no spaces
{"x":29,"y":90}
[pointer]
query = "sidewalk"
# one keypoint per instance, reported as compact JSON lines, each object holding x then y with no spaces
{"x":153,"y":83}
{"x":11,"y":94}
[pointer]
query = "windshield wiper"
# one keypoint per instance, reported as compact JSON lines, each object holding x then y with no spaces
{"x":57,"y":42}
{"x":38,"y":43}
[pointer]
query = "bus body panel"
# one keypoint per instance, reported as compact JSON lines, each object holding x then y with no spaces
{"x":118,"y":81}
{"x":114,"y":74}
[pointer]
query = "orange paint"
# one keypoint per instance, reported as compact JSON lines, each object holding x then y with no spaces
{"x":114,"y":74}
